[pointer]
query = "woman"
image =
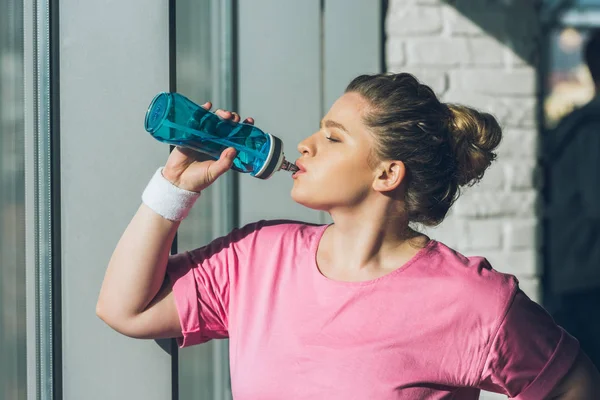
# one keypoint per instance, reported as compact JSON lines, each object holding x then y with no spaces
{"x":364,"y":308}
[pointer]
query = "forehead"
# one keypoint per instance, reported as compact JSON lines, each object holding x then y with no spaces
{"x":349,"y":110}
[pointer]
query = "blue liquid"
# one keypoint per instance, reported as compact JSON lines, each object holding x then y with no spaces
{"x":174,"y":119}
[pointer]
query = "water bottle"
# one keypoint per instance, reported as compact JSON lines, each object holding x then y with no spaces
{"x":174,"y":119}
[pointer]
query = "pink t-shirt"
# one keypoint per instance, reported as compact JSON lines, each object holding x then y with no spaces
{"x":442,"y":326}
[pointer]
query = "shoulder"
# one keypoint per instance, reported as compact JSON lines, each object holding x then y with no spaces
{"x":261,"y":235}
{"x":270,"y":232}
{"x":446,"y":261}
{"x":280,"y":228}
{"x":470,"y":280}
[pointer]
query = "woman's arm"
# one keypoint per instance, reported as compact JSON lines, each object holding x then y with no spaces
{"x":128,"y":300}
{"x":582,"y":382}
{"x":136,"y":299}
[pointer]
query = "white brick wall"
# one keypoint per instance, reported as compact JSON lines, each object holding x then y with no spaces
{"x":463,"y":63}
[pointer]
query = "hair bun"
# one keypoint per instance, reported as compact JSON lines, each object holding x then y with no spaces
{"x":475,"y":136}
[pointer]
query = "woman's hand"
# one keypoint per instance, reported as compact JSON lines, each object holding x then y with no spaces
{"x":186,"y":170}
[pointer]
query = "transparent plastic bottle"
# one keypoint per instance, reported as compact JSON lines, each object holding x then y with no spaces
{"x":174,"y":119}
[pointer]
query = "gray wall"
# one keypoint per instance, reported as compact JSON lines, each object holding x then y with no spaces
{"x":295,"y":59}
{"x":113,"y":61}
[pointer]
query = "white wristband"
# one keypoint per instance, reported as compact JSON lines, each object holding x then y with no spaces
{"x":168,"y":200}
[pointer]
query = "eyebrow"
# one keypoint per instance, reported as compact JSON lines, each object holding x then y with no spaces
{"x":332,"y":124}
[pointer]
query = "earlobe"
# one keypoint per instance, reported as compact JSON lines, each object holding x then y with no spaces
{"x":389,"y":176}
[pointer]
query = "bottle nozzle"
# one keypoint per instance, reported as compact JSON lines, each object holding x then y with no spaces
{"x":288,"y":166}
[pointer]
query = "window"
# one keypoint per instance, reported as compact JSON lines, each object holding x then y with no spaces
{"x":203,"y":59}
{"x":13,"y":379}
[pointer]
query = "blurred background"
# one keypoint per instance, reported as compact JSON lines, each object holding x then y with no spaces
{"x":568,"y":83}
{"x":77,"y":77}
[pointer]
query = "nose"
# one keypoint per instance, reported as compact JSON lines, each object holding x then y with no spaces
{"x":305,"y":147}
{"x":308,"y":147}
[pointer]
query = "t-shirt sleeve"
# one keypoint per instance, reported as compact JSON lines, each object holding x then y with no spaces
{"x":201,"y":280}
{"x":529,"y":354}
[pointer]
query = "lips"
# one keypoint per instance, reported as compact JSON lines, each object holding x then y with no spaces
{"x":301,"y":169}
{"x":301,"y":166}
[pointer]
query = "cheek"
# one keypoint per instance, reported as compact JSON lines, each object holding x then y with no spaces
{"x":338,"y":183}
{"x":350,"y":171}
{"x":336,"y":174}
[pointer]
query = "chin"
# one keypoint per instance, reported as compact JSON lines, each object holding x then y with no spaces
{"x":307,"y":200}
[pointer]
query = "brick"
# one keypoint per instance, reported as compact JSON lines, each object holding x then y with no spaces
{"x":400,"y":4}
{"x":527,"y":118}
{"x":436,"y":79}
{"x":519,"y":82}
{"x":458,"y":24}
{"x":518,"y":144}
{"x":494,"y":178}
{"x":527,"y":54}
{"x":456,"y":51}
{"x":521,"y":263}
{"x":516,"y":112}
{"x":531,"y":287}
{"x":510,"y":112}
{"x":470,"y":98}
{"x":521,"y":234}
{"x":448,"y":232}
{"x":411,"y":20}
{"x":482,"y":235}
{"x":437,"y":52}
{"x":395,"y":54}
{"x":478,"y":18}
{"x":475,"y":204}
{"x":491,"y":396}
{"x":523,"y":175}
{"x":486,"y":51}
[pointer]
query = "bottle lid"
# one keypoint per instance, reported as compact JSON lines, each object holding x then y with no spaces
{"x":274,"y":159}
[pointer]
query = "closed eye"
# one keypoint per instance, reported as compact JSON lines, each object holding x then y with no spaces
{"x":332,"y":139}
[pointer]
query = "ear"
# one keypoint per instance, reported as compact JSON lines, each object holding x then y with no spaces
{"x":389,"y":175}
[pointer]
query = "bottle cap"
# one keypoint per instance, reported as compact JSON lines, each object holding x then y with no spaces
{"x":274,"y":159}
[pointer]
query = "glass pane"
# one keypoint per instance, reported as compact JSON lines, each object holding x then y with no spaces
{"x":194,"y":73}
{"x":12,"y":198}
{"x":199,"y":372}
{"x":569,"y":83}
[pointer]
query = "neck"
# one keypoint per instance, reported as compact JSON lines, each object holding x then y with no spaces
{"x":375,"y":235}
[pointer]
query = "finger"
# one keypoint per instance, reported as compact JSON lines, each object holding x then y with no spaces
{"x":186,"y":151}
{"x":236,"y":117}
{"x":224,"y":114}
{"x":207,"y":105}
{"x":192,"y":155}
{"x":223,"y":164}
{"x":249,"y":121}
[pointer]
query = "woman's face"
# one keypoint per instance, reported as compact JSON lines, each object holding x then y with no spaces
{"x":334,"y":162}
